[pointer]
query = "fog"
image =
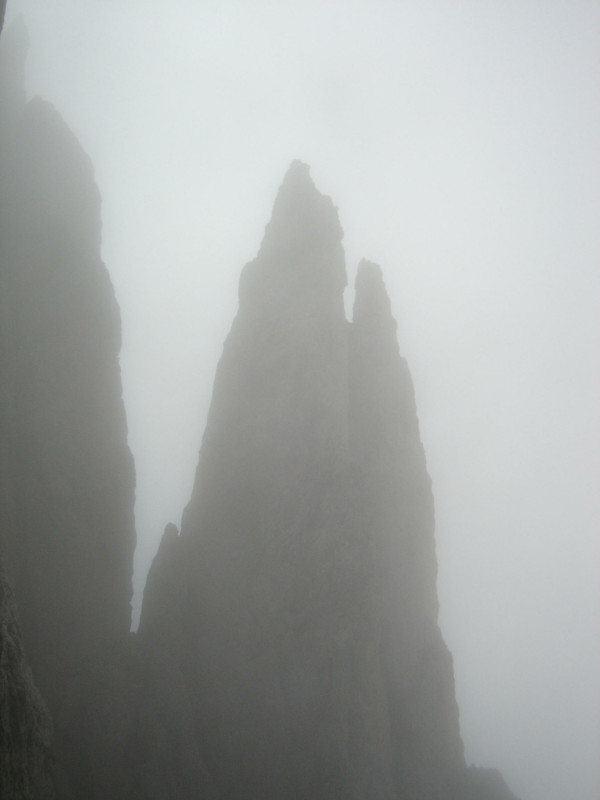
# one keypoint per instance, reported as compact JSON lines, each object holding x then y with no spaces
{"x":460,"y":142}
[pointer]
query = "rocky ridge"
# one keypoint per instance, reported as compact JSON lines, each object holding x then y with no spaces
{"x":299,"y":599}
{"x":288,"y":644}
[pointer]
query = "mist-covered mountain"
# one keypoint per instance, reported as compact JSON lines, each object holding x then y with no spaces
{"x":67,"y":474}
{"x":299,"y":598}
{"x":288,"y":645}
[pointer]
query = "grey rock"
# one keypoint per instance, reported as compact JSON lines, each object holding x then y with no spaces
{"x":299,"y":600}
{"x":479,"y":783}
{"x":26,"y":755}
{"x":265,"y":566}
{"x":416,"y":665}
{"x":288,"y":644}
{"x":120,"y":711}
{"x":70,"y":542}
{"x":67,"y":479}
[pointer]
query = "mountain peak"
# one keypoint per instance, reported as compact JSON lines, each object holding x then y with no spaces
{"x":302,"y":216}
{"x":372,"y":308}
{"x":301,"y":252}
{"x":298,"y":171}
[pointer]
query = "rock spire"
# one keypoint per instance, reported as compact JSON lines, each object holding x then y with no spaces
{"x":288,"y":645}
{"x":299,"y":599}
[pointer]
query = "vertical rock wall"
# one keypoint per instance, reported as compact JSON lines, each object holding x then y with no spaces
{"x":300,"y":597}
{"x":289,"y":645}
{"x":265,"y":559}
{"x":67,"y":489}
{"x":415,"y":663}
{"x":26,"y":756}
{"x":70,"y":545}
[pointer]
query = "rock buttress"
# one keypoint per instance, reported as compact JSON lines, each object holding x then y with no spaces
{"x":299,"y":600}
{"x":67,"y":476}
{"x":268,"y":590}
{"x":415,"y":663}
{"x":26,"y":757}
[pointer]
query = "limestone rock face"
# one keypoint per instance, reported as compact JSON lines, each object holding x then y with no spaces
{"x":299,"y":599}
{"x":67,"y":477}
{"x":70,"y":546}
{"x":264,"y":566}
{"x":478,"y":782}
{"x":416,"y":665}
{"x":288,"y":645}
{"x":26,"y":757}
{"x":123,"y":728}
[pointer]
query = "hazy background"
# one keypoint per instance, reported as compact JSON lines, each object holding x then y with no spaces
{"x":461,"y":143}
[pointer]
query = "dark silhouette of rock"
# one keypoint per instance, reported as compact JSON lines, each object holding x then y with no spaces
{"x":417,"y":667}
{"x":299,"y":599}
{"x":26,"y":757}
{"x":478,"y":782}
{"x":67,"y":488}
{"x":69,"y":547}
{"x":122,"y":722}
{"x":259,"y":573}
{"x":288,"y":645}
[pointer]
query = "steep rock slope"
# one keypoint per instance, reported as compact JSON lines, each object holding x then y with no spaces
{"x":256,"y":605}
{"x":70,"y":545}
{"x":385,"y":439}
{"x":123,"y":728}
{"x":289,"y":644}
{"x":26,"y":757}
{"x":299,"y":599}
{"x":67,"y":488}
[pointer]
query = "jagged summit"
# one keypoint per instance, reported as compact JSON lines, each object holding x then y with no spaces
{"x":300,"y":600}
{"x":298,"y":172}
{"x":301,"y":249}
{"x":66,"y":473}
{"x":288,"y":646}
{"x":372,"y":307}
{"x":282,"y":378}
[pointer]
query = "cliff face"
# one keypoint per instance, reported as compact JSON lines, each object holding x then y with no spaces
{"x":67,"y":488}
{"x":262,"y":578}
{"x":26,"y":757}
{"x":299,"y":599}
{"x":70,"y":545}
{"x":415,"y":663}
{"x":288,"y":645}
{"x":121,"y":715}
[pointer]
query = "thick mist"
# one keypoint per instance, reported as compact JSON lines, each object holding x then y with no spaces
{"x":460,"y":143}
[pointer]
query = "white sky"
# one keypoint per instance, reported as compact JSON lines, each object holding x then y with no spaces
{"x":461,"y":143}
